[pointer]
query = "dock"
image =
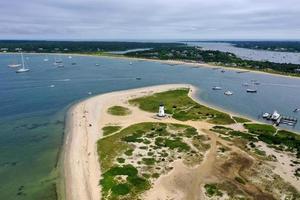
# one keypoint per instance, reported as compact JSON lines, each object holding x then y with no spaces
{"x":278,"y":119}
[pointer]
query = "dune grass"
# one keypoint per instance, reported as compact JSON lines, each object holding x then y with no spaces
{"x":181,"y":107}
{"x":118,"y":110}
{"x":107,"y":130}
{"x":240,"y":119}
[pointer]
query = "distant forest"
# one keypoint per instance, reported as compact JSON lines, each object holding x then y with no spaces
{"x":282,"y":46}
{"x":76,"y":46}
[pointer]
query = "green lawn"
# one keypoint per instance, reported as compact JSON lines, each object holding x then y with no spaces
{"x":118,"y":110}
{"x":181,"y":107}
{"x":107,"y":130}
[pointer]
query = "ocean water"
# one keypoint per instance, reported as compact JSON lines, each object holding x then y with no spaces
{"x":251,"y":54}
{"x":32,"y":112}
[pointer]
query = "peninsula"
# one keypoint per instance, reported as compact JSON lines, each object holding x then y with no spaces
{"x":118,"y":147}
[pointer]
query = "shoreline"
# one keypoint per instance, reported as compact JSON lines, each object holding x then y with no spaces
{"x":174,"y":62}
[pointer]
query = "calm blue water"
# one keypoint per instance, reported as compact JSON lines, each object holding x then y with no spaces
{"x":32,"y":113}
{"x":251,"y":54}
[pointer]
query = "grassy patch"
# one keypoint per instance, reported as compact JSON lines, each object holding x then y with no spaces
{"x":241,"y":120}
{"x":107,"y":130}
{"x":212,"y":190}
{"x":243,"y":135}
{"x":259,"y":129}
{"x":118,"y":110}
{"x":181,"y":107}
{"x":112,"y":188}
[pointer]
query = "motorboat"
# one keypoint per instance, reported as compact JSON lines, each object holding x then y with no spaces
{"x":216,"y":88}
{"x":228,"y":93}
{"x":251,"y":91}
{"x":266,"y":115}
{"x":275,"y":116}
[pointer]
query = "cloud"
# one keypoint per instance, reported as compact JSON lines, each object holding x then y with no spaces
{"x":155,"y":19}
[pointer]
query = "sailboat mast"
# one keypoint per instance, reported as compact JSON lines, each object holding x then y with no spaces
{"x":23,"y":63}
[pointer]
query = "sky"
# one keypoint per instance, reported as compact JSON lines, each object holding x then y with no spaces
{"x":149,"y":19}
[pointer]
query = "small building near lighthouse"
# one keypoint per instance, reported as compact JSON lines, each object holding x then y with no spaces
{"x":161,"y":110}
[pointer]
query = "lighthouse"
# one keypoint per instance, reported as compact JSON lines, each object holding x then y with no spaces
{"x":161,"y":110}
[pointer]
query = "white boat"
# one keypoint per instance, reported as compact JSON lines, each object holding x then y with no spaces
{"x":228,"y":93}
{"x":14,"y":65}
{"x":70,"y":57}
{"x":90,"y":93}
{"x":275,"y":115}
{"x":23,"y":69}
{"x":57,"y":61}
{"x":245,"y":84}
{"x":130,"y":63}
{"x":297,"y":110}
{"x":266,"y":115}
{"x":60,"y":65}
{"x":52,"y":86}
{"x":46,"y":59}
{"x":97,"y":64}
{"x":217,"y":88}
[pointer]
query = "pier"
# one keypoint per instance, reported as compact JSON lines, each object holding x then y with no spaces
{"x":278,"y":119}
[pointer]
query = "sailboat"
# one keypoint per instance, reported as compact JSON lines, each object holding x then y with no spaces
{"x":14,"y":65}
{"x":23,"y":69}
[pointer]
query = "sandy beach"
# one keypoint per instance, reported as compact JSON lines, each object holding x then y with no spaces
{"x":85,"y":121}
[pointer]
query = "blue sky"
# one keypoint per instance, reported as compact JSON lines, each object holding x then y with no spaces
{"x":155,"y":19}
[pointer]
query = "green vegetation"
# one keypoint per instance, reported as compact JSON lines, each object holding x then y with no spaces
{"x":241,"y":120}
{"x":196,"y":54}
{"x":118,"y":110}
{"x":107,"y":130}
{"x":212,"y":190}
{"x":281,"y":46}
{"x":181,"y":107}
{"x":260,"y":129}
{"x":122,"y":180}
{"x":266,"y":133}
{"x":78,"y":46}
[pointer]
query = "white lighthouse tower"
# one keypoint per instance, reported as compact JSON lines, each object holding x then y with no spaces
{"x":161,"y":111}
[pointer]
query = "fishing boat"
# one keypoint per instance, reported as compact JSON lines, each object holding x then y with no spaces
{"x":228,"y":93}
{"x":23,"y":69}
{"x":216,"y":88}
